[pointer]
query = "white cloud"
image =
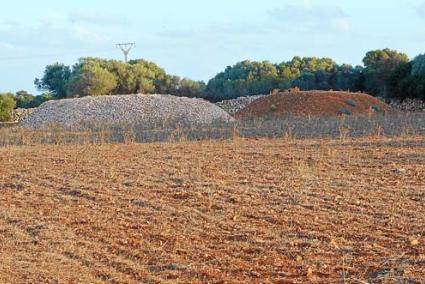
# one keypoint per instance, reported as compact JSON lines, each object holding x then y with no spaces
{"x":86,"y":35}
{"x":342,"y":25}
{"x":7,"y":25}
{"x":6,"y":45}
{"x":310,"y":17}
{"x":98,"y":19}
{"x":240,"y":29}
{"x":420,"y":9}
{"x":48,"y":36}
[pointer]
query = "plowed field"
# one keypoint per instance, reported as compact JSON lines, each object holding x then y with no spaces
{"x":242,"y":211}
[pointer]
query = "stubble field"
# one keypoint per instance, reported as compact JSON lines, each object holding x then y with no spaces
{"x":237,"y":211}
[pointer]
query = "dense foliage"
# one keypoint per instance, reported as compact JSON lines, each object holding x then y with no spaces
{"x":55,"y":80}
{"x":250,"y":78}
{"x":408,"y":79}
{"x":25,"y":100}
{"x":385,"y":73}
{"x":7,"y":104}
{"x":379,"y":67}
{"x":95,"y":77}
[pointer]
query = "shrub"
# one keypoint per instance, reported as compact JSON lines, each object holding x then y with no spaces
{"x":345,"y":111}
{"x":376,"y":107}
{"x":7,"y":104}
{"x":351,"y":103}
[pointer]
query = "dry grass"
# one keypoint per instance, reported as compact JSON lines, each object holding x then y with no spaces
{"x":247,"y":210}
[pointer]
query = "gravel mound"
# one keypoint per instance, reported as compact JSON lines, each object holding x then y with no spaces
{"x":409,"y":105}
{"x":314,"y":104}
{"x":150,"y":111}
{"x":235,"y":105}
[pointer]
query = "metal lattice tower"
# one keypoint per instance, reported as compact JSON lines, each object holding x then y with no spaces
{"x":125,"y":48}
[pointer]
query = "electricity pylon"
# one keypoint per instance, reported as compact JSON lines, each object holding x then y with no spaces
{"x":125,"y":48}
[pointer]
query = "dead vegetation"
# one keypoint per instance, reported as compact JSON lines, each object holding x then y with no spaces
{"x":411,"y":124}
{"x":239,"y":211}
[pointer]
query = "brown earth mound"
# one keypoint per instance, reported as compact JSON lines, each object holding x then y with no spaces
{"x":314,"y":103}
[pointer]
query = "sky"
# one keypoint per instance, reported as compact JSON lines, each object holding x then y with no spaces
{"x":198,"y":39}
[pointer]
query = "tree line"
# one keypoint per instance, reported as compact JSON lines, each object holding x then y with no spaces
{"x":97,"y":77}
{"x":381,"y":75}
{"x":385,"y":73}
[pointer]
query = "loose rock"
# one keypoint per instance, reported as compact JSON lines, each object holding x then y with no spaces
{"x":235,"y":105}
{"x":148,"y":110}
{"x":410,"y":105}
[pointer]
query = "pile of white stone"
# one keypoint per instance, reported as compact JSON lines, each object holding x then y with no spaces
{"x":235,"y":105}
{"x":412,"y":105}
{"x":146,"y":110}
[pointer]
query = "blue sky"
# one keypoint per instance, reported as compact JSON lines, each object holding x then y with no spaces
{"x":198,"y":39}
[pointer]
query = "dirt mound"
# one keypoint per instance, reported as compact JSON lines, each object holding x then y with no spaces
{"x":313,"y":103}
{"x":148,"y":110}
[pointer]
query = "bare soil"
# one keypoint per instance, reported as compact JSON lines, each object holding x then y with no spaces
{"x":313,"y":103}
{"x":241,"y":211}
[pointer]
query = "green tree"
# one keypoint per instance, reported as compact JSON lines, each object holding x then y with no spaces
{"x":91,"y":79}
{"x":7,"y":104}
{"x":147,"y":76}
{"x":23,"y":99}
{"x":54,"y":80}
{"x":96,"y":76}
{"x":184,"y":87}
{"x":38,"y":100}
{"x":408,"y":80}
{"x":418,"y":65}
{"x":379,"y":65}
{"x":138,"y":76}
{"x":348,"y":78}
{"x":251,"y":78}
{"x":245,"y":78}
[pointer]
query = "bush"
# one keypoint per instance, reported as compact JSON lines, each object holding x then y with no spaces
{"x":29,"y":101}
{"x":351,"y":103}
{"x":7,"y":104}
{"x":376,"y":107}
{"x":345,"y":111}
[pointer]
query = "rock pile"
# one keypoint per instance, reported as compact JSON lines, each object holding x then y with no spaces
{"x":411,"y":105}
{"x":235,"y":105}
{"x":150,"y":111}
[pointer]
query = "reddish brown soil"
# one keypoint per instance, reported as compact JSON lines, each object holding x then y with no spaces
{"x":312,"y":103}
{"x":242,"y":211}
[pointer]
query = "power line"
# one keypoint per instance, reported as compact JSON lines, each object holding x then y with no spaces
{"x":125,"y":48}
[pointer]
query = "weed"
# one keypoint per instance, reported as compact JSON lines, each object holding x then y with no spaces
{"x":351,"y":103}
{"x":345,"y":111}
